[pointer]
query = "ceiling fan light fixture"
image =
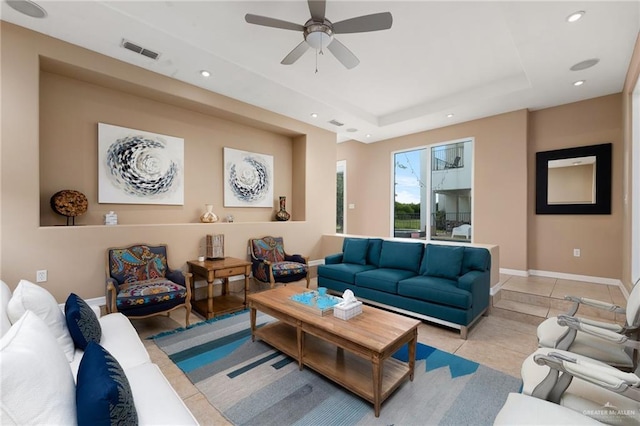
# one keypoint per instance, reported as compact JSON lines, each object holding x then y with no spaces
{"x":320,"y":37}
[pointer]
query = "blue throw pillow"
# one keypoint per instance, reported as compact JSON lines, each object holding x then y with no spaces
{"x":82,"y":322}
{"x":399,"y":255}
{"x":442,"y":261}
{"x":475,"y":259}
{"x":103,"y":393}
{"x":355,"y":251}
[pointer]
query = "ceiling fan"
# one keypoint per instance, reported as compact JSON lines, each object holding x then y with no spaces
{"x":319,"y":32}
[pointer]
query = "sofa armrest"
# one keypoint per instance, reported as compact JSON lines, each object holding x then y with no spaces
{"x":296,"y":258}
{"x":176,"y":276}
{"x":478,"y":284}
{"x":333,"y":259}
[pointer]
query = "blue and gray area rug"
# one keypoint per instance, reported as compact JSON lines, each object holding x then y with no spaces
{"x":251,"y":383}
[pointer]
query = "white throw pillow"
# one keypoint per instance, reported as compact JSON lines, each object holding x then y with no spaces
{"x":5,"y":296}
{"x":37,"y":384}
{"x":31,"y":297}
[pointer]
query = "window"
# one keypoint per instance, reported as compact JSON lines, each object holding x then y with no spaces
{"x":341,"y":199}
{"x":432,"y":192}
{"x":635,"y":185}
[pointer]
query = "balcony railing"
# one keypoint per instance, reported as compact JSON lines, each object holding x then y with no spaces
{"x":451,"y":157}
{"x":441,"y":220}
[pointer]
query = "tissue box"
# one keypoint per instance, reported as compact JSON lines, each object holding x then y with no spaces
{"x":350,"y":311}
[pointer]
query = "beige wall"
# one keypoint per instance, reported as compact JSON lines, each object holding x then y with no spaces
{"x":111,"y":91}
{"x":627,"y":116}
{"x":504,"y":185}
{"x":500,"y":201}
{"x":552,"y":238}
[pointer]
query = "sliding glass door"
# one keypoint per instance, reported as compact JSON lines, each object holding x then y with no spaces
{"x":433,"y":192}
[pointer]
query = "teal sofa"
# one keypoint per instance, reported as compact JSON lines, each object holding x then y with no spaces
{"x":445,"y":284}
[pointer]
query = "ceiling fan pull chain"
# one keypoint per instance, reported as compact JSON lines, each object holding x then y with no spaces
{"x":316,"y":61}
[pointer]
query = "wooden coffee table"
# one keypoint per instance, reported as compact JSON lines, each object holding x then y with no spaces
{"x":355,"y":354}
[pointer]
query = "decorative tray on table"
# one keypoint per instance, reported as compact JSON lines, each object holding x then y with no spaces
{"x":315,"y":302}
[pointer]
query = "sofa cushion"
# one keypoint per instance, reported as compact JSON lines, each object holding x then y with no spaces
{"x":442,"y":261}
{"x":475,"y":259}
{"x":382,"y":279}
{"x":373,"y":251}
{"x":436,"y":290}
{"x":345,"y":272}
{"x":37,"y":385}
{"x":399,"y":255}
{"x":31,"y":297}
{"x":121,"y":340}
{"x":103,"y":394}
{"x":81,"y":321}
{"x":355,"y":251}
{"x":156,"y":401}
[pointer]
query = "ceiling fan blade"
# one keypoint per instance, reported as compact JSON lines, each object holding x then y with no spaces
{"x":363,"y":24}
{"x":342,"y":54}
{"x":272,"y":22}
{"x":296,"y":53}
{"x":317,"y":9}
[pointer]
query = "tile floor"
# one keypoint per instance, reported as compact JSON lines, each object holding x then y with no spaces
{"x":500,"y":340}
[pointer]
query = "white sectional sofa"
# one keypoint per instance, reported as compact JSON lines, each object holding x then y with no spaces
{"x":39,"y":365}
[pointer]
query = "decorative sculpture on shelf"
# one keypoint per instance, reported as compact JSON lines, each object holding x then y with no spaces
{"x":282,"y":214}
{"x":208,"y":216}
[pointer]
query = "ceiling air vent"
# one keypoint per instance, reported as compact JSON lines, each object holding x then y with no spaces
{"x":139,"y":50}
{"x":336,"y":123}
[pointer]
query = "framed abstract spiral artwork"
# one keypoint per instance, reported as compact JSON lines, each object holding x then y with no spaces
{"x":138,"y":167}
{"x":248,"y":179}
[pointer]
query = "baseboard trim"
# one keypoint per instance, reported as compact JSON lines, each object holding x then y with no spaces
{"x":316,"y":262}
{"x":516,"y":272}
{"x":576,"y":277}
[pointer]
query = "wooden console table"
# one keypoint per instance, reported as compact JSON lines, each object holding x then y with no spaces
{"x":211,"y":270}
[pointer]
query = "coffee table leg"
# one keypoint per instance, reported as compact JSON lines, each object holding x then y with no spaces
{"x":300,"y":335}
{"x":252,"y":316}
{"x":412,"y":354}
{"x":377,"y":384}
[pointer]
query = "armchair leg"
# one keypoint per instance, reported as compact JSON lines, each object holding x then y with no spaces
{"x":308,"y":279}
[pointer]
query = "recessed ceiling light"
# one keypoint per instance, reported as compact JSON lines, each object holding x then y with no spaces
{"x":314,"y":114}
{"x":578,"y":83}
{"x":585,"y":64}
{"x":449,"y":115}
{"x":575,"y":16}
{"x":28,"y":8}
{"x":205,"y":73}
{"x":367,"y":135}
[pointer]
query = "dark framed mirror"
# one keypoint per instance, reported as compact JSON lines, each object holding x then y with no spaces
{"x":574,"y":180}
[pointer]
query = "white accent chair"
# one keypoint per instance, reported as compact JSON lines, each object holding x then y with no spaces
{"x":610,"y":343}
{"x":587,"y":386}
{"x":462,"y":231}
{"x":520,"y":409}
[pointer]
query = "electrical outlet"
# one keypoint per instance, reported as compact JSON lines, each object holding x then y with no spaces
{"x":41,"y":276}
{"x":576,"y":252}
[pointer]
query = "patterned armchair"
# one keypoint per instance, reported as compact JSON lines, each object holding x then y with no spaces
{"x":140,"y":283}
{"x":271,"y":264}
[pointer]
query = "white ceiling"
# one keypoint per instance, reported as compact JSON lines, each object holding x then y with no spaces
{"x":471,"y":59}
